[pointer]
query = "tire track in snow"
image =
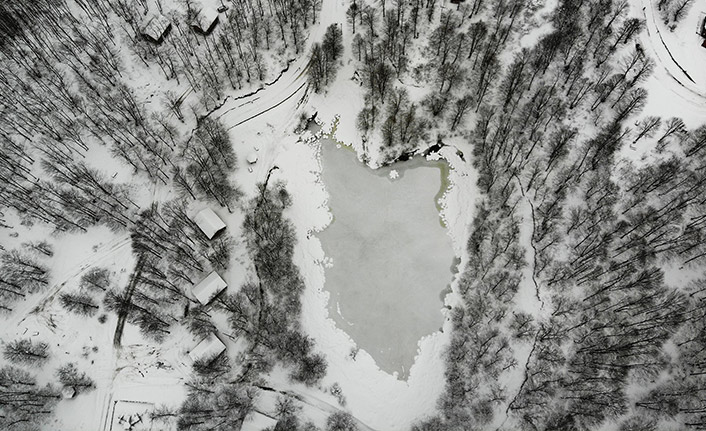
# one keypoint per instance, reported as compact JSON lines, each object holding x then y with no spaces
{"x":268,"y":109}
{"x":651,"y":44}
{"x":644,"y":10}
{"x":244,"y":96}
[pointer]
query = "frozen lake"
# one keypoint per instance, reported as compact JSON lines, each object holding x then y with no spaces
{"x":391,"y":254}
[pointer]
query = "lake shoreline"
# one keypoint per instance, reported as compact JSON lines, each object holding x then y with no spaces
{"x":375,"y":281}
{"x":380,"y":399}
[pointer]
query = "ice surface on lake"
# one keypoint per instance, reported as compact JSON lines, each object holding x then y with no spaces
{"x":391,"y":254}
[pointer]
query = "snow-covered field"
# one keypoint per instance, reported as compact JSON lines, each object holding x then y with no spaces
{"x":678,"y":85}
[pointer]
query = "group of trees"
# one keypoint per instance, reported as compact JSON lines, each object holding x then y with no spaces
{"x":266,"y":313}
{"x":267,"y":310}
{"x":458,"y":62}
{"x":172,"y":253}
{"x":381,"y":43}
{"x":461,"y":65}
{"x":323,"y":64}
{"x":673,"y":11}
{"x":336,"y":421}
{"x":70,"y":376}
{"x":24,"y":351}
{"x":610,"y":333}
{"x":209,"y":161}
{"x":25,"y":404}
{"x":549,"y":120}
{"x":62,"y":92}
{"x":216,"y":405}
{"x":70,"y":196}
{"x":213,"y":402}
{"x":94,"y":283}
{"x":20,"y":275}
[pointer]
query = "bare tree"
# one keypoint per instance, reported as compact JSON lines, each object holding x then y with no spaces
{"x":23,"y":403}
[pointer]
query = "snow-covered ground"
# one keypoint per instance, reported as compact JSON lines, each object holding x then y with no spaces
{"x":138,"y":376}
{"x":71,"y":338}
{"x":678,"y":84}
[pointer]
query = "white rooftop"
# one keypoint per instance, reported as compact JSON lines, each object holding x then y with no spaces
{"x":205,"y":19}
{"x":68,"y":392}
{"x":155,"y":26}
{"x":209,"y":222}
{"x":209,"y":287}
{"x":208,"y":348}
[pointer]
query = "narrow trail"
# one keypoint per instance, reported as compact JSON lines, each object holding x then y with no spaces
{"x":528,"y":292}
{"x":534,"y":255}
{"x":526,"y":373}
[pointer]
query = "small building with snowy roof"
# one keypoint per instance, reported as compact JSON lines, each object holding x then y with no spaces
{"x":208,"y":288}
{"x":68,"y":392}
{"x":209,"y":348}
{"x":205,"y":21}
{"x":155,"y":28}
{"x":209,"y":222}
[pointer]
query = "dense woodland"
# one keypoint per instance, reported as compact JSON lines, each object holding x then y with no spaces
{"x":610,"y":340}
{"x":68,"y":89}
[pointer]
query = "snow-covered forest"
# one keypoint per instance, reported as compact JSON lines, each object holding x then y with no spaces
{"x":165,"y":262}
